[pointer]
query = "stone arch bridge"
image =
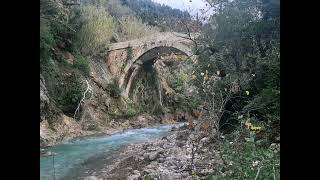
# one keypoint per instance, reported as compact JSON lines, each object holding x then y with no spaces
{"x":124,"y":59}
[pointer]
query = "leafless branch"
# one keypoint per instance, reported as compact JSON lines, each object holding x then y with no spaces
{"x":259,"y":168}
{"x":83,"y":98}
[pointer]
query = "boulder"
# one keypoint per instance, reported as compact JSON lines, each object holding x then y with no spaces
{"x":150,"y":156}
{"x":136,"y":172}
{"x":161,"y":160}
{"x":153,"y":156}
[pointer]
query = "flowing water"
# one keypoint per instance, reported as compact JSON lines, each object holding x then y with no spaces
{"x":74,"y":154}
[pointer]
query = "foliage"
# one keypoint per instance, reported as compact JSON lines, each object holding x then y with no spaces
{"x":239,"y":62}
{"x":114,"y":89}
{"x":95,"y":31}
{"x":82,"y":64}
{"x":156,"y":14}
{"x":46,"y":40}
{"x":133,"y":28}
{"x":53,"y":9}
{"x":148,"y":177}
{"x":127,"y":110}
{"x":118,"y":10}
{"x":238,"y":80}
{"x":129,"y":54}
{"x":183,"y":98}
{"x":244,"y":159}
{"x":179,"y":81}
{"x":56,"y":15}
{"x":68,"y":91}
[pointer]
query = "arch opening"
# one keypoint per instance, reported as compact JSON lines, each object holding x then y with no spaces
{"x":144,"y":83}
{"x":148,"y":58}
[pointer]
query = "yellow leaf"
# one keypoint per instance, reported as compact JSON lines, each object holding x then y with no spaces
{"x":247,"y":92}
{"x":256,"y":128}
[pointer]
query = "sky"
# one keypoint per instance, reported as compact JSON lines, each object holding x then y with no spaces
{"x":192,"y":7}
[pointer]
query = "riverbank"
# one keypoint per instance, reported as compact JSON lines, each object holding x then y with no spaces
{"x":70,"y":129}
{"x":78,"y":158}
{"x":170,"y":157}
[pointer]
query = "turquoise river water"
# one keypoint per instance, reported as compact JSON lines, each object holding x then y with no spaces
{"x":77,"y":153}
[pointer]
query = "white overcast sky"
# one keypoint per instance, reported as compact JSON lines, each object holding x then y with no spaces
{"x":193,"y":7}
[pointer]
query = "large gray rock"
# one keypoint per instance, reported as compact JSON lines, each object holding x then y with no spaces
{"x":153,"y":156}
{"x":161,"y":160}
{"x":150,"y":156}
{"x":136,"y":172}
{"x":146,"y":156}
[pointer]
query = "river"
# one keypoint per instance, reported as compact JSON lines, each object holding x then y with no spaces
{"x":84,"y":155}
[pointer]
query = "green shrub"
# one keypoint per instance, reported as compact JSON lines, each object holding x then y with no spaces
{"x":244,"y":159}
{"x":67,"y":92}
{"x":148,"y":177}
{"x":178,"y":81}
{"x":132,"y":110}
{"x":127,"y":110}
{"x":114,"y":89}
{"x":82,"y":64}
{"x":46,"y":40}
{"x":96,"y":30}
{"x":129,"y":53}
{"x":133,"y":28}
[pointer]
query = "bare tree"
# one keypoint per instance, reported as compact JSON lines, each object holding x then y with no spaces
{"x":89,"y":89}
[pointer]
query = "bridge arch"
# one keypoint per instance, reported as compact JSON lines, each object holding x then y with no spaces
{"x":124,"y":58}
{"x":148,"y":57}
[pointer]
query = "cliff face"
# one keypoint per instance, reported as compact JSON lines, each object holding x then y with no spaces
{"x":104,"y":108}
{"x":56,"y":126}
{"x":100,"y":112}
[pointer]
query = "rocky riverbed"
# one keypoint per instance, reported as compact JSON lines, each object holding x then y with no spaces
{"x":175,"y":156}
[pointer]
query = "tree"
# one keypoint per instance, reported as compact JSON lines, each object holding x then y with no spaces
{"x":96,"y":30}
{"x":242,"y":40}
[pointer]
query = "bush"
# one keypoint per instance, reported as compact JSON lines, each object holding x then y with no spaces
{"x":244,"y":159}
{"x":95,"y":31}
{"x":114,"y":89}
{"x":46,"y":40}
{"x":133,"y":28}
{"x":67,"y":92}
{"x":131,"y":110}
{"x":82,"y":64}
{"x":179,"y":80}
